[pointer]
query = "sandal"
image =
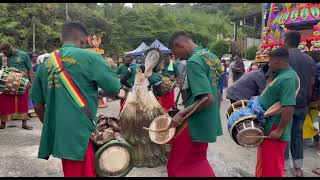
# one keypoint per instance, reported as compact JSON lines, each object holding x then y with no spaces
{"x":316,"y":171}
{"x":27,"y":127}
{"x":2,"y":126}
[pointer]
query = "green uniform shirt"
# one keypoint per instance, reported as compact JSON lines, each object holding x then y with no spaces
{"x":19,"y":60}
{"x":66,"y":129}
{"x":168,"y":72}
{"x":283,"y":89}
{"x":205,"y":125}
{"x":122,"y":69}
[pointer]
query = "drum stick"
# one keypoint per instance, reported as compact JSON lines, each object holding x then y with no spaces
{"x":257,"y":136}
{"x":196,"y":106}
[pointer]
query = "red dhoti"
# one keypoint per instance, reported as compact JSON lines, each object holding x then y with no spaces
{"x":187,"y":158}
{"x":80,"y":168}
{"x":270,"y":158}
{"x":14,"y":107}
{"x":167,"y":101}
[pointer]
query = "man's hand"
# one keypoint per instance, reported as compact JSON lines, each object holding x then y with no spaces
{"x":28,"y":85}
{"x":122,"y":94}
{"x":275,"y":134}
{"x":176,"y":120}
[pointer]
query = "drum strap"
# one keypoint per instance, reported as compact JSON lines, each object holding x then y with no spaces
{"x":71,"y":87}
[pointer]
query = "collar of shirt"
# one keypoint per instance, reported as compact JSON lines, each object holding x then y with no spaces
{"x":69,"y":45}
{"x":281,"y":71}
{"x":194,"y":51}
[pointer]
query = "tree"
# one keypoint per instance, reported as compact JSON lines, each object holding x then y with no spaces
{"x":219,"y":48}
{"x":251,"y":53}
{"x":122,"y":29}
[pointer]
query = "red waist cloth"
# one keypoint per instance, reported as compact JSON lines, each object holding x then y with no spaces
{"x":80,"y":168}
{"x":187,"y":158}
{"x":10,"y":104}
{"x":270,"y":158}
{"x":167,"y":101}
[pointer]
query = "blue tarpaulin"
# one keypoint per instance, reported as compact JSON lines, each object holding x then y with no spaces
{"x":139,"y":50}
{"x":160,"y":46}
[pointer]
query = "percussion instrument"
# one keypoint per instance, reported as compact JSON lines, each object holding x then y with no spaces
{"x":160,"y":131}
{"x":114,"y":159}
{"x":13,"y":81}
{"x":242,"y":122}
{"x":114,"y":156}
{"x":167,"y":84}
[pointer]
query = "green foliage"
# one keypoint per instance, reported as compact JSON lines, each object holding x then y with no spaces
{"x":251,"y":53}
{"x":219,"y":48}
{"x":121,"y":28}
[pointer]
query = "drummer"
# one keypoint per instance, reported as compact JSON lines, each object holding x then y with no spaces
{"x":188,"y":156}
{"x":15,"y":107}
{"x":121,"y":70}
{"x":270,"y":156}
{"x":66,"y":130}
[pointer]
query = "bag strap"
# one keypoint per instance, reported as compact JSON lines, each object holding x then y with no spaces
{"x":180,"y":89}
{"x":71,"y":87}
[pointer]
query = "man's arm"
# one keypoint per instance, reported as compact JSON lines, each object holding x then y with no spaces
{"x":287,"y":98}
{"x":40,"y":109}
{"x":37,"y":92}
{"x":200,"y":87}
{"x":30,"y":75}
{"x":105,"y":77}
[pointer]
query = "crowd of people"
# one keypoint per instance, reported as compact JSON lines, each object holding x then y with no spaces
{"x":198,"y":73}
{"x":252,"y":84}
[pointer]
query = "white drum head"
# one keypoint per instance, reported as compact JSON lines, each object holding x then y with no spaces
{"x":114,"y":160}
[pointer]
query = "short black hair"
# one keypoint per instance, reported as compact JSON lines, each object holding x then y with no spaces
{"x":5,"y":46}
{"x":70,"y":27}
{"x":176,"y":35}
{"x":281,"y":53}
{"x":292,"y":38}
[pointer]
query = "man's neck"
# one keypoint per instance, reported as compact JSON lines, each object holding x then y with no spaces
{"x":290,"y":47}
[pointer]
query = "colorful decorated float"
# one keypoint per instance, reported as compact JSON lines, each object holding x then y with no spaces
{"x":283,"y":17}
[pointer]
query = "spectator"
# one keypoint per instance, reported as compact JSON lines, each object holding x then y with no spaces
{"x":304,"y":66}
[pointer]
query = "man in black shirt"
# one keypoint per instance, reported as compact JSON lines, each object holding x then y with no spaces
{"x":304,"y":66}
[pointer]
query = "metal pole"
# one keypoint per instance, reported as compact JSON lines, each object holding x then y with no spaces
{"x":34,"y":35}
{"x":67,"y":16}
{"x":235,"y":31}
{"x":245,"y":50}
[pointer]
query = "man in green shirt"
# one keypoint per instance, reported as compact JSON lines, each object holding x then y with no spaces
{"x":15,"y":107}
{"x":66,"y":129}
{"x":188,"y":156}
{"x":121,"y":71}
{"x":283,"y":89}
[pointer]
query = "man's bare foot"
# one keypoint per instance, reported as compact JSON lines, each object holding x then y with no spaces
{"x":25,"y":126}
{"x":297,"y":172}
{"x":316,"y":171}
{"x":3,"y":125}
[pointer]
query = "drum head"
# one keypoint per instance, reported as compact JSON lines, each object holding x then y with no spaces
{"x":235,"y":106}
{"x":163,"y":137}
{"x":249,"y":128}
{"x":114,"y":159}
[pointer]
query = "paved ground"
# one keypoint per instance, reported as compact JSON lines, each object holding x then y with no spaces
{"x":19,"y":148}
